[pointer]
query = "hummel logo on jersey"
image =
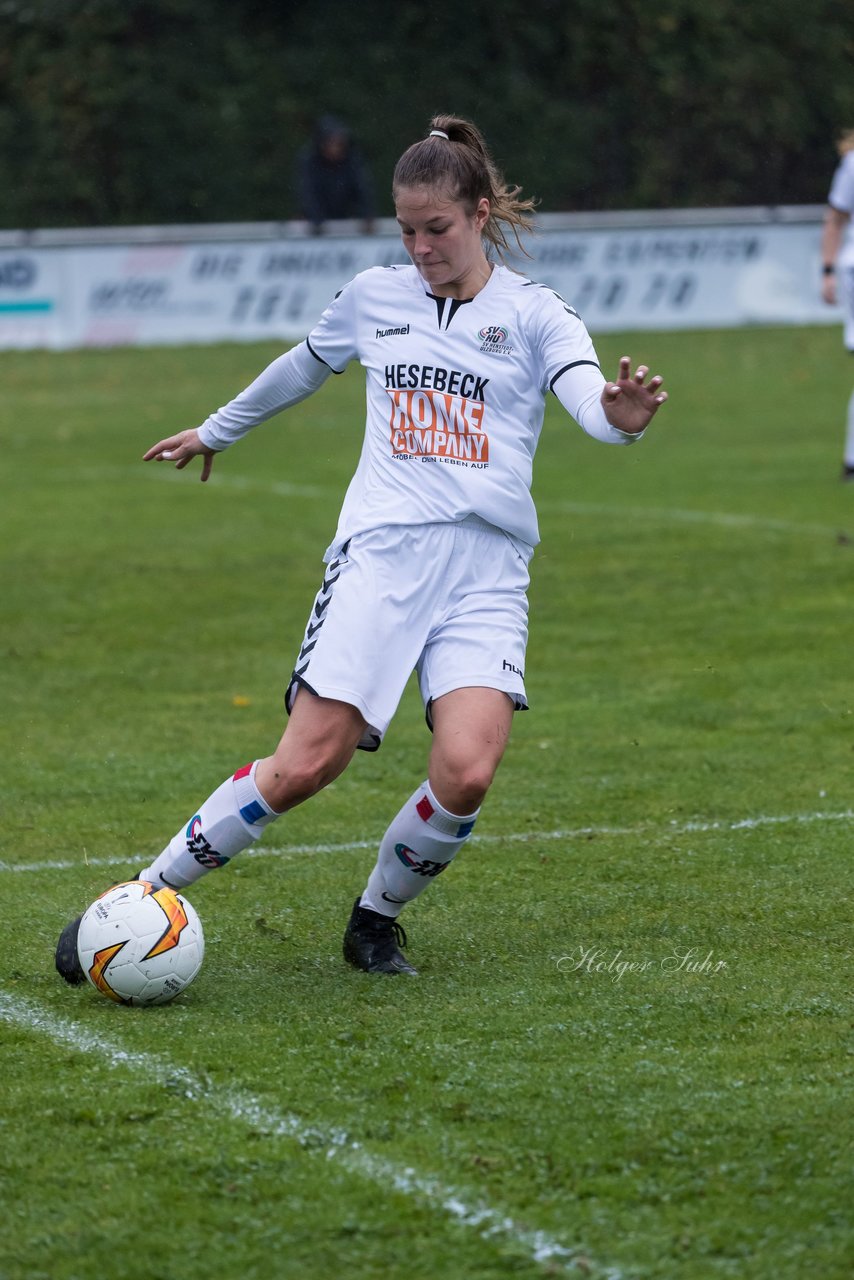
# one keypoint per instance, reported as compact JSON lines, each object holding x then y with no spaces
{"x":399,"y":332}
{"x":494,"y":339}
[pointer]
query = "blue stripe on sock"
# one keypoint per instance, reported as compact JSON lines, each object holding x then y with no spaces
{"x":251,"y":813}
{"x":466,"y":828}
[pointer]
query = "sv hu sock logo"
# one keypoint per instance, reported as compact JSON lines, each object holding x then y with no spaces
{"x":420,"y":866}
{"x":202,"y":850}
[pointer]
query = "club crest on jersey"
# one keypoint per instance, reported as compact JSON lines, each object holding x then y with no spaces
{"x":494,"y":340}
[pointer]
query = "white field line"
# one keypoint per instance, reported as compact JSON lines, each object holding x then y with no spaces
{"x":223,"y":478}
{"x":244,"y":484}
{"x":329,"y":1142}
{"x":169,"y":473}
{"x":648,"y":829}
{"x":721,"y":519}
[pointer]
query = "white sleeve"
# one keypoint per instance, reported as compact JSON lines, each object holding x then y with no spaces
{"x":579,"y":389}
{"x":291,"y":378}
{"x":335,"y":337}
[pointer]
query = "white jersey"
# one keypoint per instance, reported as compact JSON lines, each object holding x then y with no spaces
{"x":455,"y":395}
{"x":842,"y":198}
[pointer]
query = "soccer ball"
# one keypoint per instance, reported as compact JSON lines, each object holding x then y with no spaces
{"x":140,"y":945}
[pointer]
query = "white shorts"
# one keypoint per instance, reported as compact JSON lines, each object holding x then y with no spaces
{"x":446,"y":600}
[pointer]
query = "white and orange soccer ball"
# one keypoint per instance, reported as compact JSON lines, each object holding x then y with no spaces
{"x":140,"y":945}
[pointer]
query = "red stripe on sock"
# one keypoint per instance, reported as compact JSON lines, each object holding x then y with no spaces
{"x":425,"y":809}
{"x":247,"y":769}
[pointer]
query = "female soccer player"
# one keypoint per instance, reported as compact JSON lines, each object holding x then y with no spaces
{"x":428,"y":569}
{"x":837,"y":257}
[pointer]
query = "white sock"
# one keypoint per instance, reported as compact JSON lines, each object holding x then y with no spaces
{"x":229,"y":820}
{"x":418,"y":845}
{"x":849,"y":434}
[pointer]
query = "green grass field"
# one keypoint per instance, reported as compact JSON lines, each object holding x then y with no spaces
{"x":678,"y":800}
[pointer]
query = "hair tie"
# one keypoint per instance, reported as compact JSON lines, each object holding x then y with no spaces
{"x":439,"y":133}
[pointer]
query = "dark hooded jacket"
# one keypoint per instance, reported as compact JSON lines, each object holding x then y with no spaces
{"x":329,"y":189}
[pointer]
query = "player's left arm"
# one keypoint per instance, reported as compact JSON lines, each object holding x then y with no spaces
{"x":615,"y":412}
{"x":832,"y":233}
{"x":630,"y":402}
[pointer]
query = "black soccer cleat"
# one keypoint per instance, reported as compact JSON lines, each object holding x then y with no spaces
{"x":847,"y":474}
{"x":67,"y":961}
{"x":372,"y":942}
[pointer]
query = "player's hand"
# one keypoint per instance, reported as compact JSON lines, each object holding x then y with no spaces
{"x":181,"y":449}
{"x":630,"y":402}
{"x":828,"y":289}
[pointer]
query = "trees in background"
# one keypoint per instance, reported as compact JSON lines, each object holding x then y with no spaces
{"x":139,"y":111}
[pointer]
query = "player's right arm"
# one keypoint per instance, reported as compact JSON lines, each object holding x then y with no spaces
{"x":837,"y":215}
{"x":181,"y":449}
{"x":288,"y":380}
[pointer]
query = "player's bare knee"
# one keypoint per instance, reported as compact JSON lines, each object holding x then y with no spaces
{"x":288,"y":782}
{"x":462,"y":788}
{"x":308,"y":776}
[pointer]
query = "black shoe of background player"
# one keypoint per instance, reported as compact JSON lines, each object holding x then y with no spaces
{"x":372,"y":942}
{"x":847,"y":472}
{"x":67,"y":961}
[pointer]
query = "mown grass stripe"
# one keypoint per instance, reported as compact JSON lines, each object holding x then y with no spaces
{"x":735,"y":520}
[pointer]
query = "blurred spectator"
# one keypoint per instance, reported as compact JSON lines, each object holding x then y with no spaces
{"x":332,"y":178}
{"x":837,"y":256}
